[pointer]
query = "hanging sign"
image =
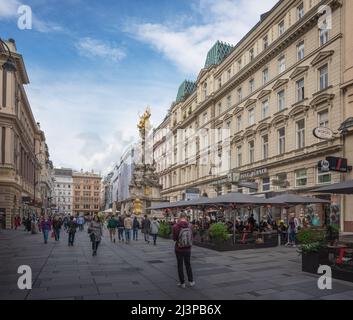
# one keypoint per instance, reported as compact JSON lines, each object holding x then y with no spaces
{"x":323,"y":133}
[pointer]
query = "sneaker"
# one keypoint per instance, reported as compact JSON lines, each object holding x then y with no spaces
{"x":181,"y":285}
{"x":192,"y":283}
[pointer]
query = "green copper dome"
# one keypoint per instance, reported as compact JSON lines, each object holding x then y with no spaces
{"x":185,"y":89}
{"x":218,"y":53}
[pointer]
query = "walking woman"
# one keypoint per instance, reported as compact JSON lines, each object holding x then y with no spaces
{"x":154,"y":229}
{"x":95,"y":231}
{"x":45,"y":226}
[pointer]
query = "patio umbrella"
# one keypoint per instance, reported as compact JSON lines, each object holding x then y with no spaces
{"x":337,"y":188}
{"x":179,"y":204}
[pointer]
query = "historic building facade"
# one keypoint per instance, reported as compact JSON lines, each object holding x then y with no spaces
{"x":246,"y":124}
{"x":87,"y":190}
{"x":63,"y":190}
{"x":25,"y":168}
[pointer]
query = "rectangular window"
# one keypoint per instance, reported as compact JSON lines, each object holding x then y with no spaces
{"x":281,"y":64}
{"x":266,"y":184}
{"x":251,"y":85}
{"x":323,"y":177}
{"x":251,"y":54}
{"x":205,"y":118}
{"x":265,"y":147}
{"x":281,"y":28}
{"x":251,"y":151}
{"x":239,"y":156}
{"x":239,"y":64}
{"x":3,"y":141}
{"x":301,"y":50}
{"x":265,"y":76}
{"x":300,"y":128}
{"x":323,"y":71}
{"x":265,"y":109}
{"x":219,"y":83}
{"x":219,"y":131}
{"x":323,"y":119}
{"x":229,"y":101}
{"x":220,"y":108}
{"x":265,"y":42}
{"x":300,"y":11}
{"x":301,"y":179}
{"x":281,"y":100}
{"x":240,"y":94}
{"x":4,"y":87}
{"x":239,"y":123}
{"x":281,"y":141}
{"x":229,"y":74}
{"x":251,"y":116}
{"x":205,"y":90}
{"x":324,"y":33}
{"x":300,"y":90}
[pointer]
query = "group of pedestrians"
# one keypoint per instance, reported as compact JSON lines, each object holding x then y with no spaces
{"x":182,"y":235}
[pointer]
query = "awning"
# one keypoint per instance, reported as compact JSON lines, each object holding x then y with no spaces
{"x":293,"y":199}
{"x":337,"y":188}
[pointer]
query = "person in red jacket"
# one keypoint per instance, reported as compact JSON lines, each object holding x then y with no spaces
{"x":182,"y":235}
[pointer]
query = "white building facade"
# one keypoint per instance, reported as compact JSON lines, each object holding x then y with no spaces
{"x":63,"y":190}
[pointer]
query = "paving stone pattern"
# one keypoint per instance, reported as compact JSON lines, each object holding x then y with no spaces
{"x":141,"y":271}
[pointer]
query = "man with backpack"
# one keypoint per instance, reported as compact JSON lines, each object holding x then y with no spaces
{"x":112,"y":225}
{"x":182,"y":235}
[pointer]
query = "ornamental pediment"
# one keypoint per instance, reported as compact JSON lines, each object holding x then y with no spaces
{"x":323,"y":55}
{"x":238,"y":110}
{"x":298,"y":110}
{"x":263,"y":94}
{"x":279,"y":120}
{"x":298,"y":71}
{"x":250,"y":102}
{"x":279,"y":83}
{"x":263,"y":127}
{"x":322,"y":98}
{"x":227,"y":116}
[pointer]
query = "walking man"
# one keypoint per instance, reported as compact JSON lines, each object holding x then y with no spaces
{"x":71,"y":229}
{"x":57,"y":223}
{"x":112,"y":225}
{"x":120,"y":226}
{"x":128,"y":228}
{"x":146,"y":226}
{"x":154,"y":229}
{"x":135,"y":227}
{"x":182,"y":235}
{"x":45,"y":226}
{"x":80,"y":222}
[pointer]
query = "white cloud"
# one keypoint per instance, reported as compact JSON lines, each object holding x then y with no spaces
{"x":186,"y":46}
{"x":93,"y":48}
{"x":89,"y":121}
{"x":8,"y":8}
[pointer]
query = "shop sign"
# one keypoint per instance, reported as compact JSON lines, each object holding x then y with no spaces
{"x":334,"y":164}
{"x":192,"y":193}
{"x":324,"y":166}
{"x":253,"y":174}
{"x":323,"y":133}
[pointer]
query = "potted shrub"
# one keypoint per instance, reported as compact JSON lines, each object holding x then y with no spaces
{"x":165,"y":230}
{"x":312,"y":249}
{"x":218,"y":233}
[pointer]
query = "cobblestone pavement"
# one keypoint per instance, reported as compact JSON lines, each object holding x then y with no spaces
{"x":142,"y":271}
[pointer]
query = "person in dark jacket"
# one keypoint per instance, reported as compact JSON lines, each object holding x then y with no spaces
{"x":183,"y":253}
{"x":135,"y":228}
{"x":57,"y":223}
{"x":45,"y":226}
{"x":121,"y":228}
{"x":146,"y":228}
{"x":71,"y":229}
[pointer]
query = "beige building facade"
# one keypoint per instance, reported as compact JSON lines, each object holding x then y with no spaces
{"x":87,"y":193}
{"x":246,"y":124}
{"x":25,"y":168}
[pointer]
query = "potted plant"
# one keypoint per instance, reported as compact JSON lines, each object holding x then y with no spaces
{"x":312,"y":249}
{"x":165,"y":230}
{"x":218,"y":233}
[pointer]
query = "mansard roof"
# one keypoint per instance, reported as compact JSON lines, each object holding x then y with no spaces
{"x":185,"y":89}
{"x":218,"y":53}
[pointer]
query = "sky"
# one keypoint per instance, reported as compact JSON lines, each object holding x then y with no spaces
{"x":95,"y":65}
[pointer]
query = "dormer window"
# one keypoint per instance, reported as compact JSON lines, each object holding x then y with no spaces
{"x":281,"y":28}
{"x":265,"y":42}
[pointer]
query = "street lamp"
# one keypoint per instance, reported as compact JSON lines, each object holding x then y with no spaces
{"x":9,"y":64}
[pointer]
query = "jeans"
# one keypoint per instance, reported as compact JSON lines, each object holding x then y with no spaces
{"x":127,"y":235}
{"x":71,"y":238}
{"x":154,"y":237}
{"x":121,"y":234}
{"x":45,"y":235}
{"x":183,"y":257}
{"x":135,"y":233}
{"x":147,"y":236}
{"x":95,"y":246}
{"x":57,"y":234}
{"x":292,"y":236}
